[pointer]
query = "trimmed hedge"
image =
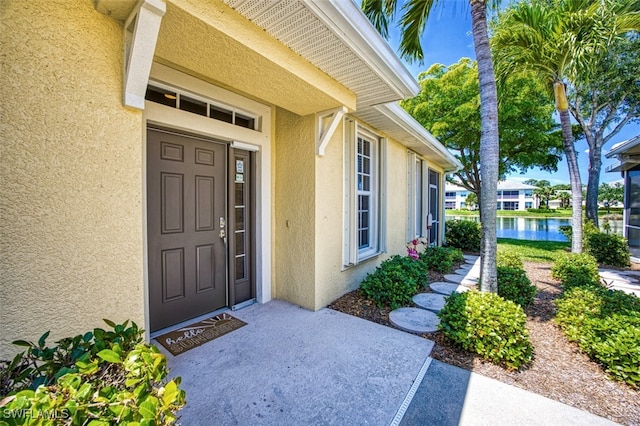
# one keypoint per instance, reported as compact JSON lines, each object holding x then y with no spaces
{"x":510,"y":259}
{"x":395,"y":281}
{"x":488,"y":325}
{"x":463,"y":234}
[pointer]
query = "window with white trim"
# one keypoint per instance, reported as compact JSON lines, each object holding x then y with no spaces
{"x":364,"y":153}
{"x":417,"y":197}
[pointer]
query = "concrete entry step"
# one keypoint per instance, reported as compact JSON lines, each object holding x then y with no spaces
{"x":414,"y":320}
{"x":447,"y":288}
{"x":470,"y":257}
{"x":430,"y":301}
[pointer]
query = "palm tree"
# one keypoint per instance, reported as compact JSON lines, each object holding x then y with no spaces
{"x":562,"y":41}
{"x":565,"y":199}
{"x":415,"y":14}
{"x":545,"y":192}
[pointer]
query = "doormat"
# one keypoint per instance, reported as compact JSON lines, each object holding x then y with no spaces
{"x":194,"y":335}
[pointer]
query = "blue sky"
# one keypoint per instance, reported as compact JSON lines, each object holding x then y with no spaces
{"x":447,"y":38}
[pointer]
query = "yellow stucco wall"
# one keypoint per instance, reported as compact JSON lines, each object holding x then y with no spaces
{"x":71,"y":173}
{"x":294,"y":209}
{"x":332,"y":281}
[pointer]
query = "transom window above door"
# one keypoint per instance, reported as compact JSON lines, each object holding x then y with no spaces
{"x":171,"y":97}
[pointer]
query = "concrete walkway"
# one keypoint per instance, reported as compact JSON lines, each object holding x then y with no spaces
{"x":627,"y":281}
{"x":450,"y":395}
{"x":291,"y":366}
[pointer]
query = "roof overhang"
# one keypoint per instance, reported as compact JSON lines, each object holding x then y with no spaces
{"x":628,"y":154}
{"x":400,"y":125}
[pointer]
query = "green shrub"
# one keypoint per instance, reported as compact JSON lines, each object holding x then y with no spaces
{"x":441,"y":259}
{"x":514,"y":285}
{"x":487,"y":324}
{"x":105,"y":375}
{"x":395,"y":281}
{"x":542,"y":210}
{"x":463,"y":234}
{"x":606,"y":325}
{"x":606,"y":248}
{"x":576,"y":270}
{"x":609,"y":249}
{"x":510,"y":259}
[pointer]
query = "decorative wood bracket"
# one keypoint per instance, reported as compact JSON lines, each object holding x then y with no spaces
{"x":326,"y":124}
{"x":140,"y":34}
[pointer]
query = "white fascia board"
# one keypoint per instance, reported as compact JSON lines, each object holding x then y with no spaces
{"x":349,"y":24}
{"x":403,"y":119}
{"x":623,"y":146}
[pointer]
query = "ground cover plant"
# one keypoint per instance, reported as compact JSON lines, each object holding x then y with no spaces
{"x":514,"y":285}
{"x":576,"y":270}
{"x":100,"y":377}
{"x":395,"y":281}
{"x":488,"y":325}
{"x":606,"y":325}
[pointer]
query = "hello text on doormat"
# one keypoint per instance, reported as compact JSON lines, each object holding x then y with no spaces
{"x":194,"y":335}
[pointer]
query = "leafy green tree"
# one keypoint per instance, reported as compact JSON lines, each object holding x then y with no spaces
{"x":414,"y":15}
{"x":471,"y":201}
{"x":604,"y":103}
{"x":447,"y":106}
{"x":609,"y":194}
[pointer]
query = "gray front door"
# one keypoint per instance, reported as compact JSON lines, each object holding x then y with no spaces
{"x":186,"y":180}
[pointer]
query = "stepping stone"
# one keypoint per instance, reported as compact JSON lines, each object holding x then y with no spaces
{"x":414,"y":320}
{"x":471,"y":257}
{"x":466,"y":266}
{"x":430,"y":301}
{"x":461,"y":279}
{"x":447,"y":288}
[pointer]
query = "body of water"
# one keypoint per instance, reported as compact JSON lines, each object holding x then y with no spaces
{"x":532,"y":228}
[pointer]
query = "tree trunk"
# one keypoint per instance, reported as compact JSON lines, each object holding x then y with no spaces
{"x":489,"y":148}
{"x":574,"y":178}
{"x":593,"y":182}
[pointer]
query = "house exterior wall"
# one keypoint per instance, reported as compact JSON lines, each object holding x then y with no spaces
{"x":294,"y":212}
{"x":70,"y":200}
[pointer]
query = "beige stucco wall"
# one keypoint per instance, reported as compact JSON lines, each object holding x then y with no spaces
{"x":295,"y":204}
{"x":71,"y":191}
{"x":332,"y":281}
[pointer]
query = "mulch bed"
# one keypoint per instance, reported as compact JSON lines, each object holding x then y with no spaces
{"x":559,"y":370}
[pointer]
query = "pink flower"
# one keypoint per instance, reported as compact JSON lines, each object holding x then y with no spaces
{"x":415,"y":242}
{"x":412,"y":253}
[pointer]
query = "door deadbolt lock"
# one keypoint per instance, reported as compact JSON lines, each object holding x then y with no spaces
{"x":223,"y":223}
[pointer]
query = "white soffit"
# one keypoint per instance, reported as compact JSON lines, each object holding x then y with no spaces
{"x":398,"y":124}
{"x":336,"y":37}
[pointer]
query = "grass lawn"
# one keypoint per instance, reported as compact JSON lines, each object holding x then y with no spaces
{"x":533,"y":251}
{"x":517,"y":213}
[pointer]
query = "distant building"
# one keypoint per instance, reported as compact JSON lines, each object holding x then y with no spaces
{"x":628,"y":155}
{"x":512,"y":195}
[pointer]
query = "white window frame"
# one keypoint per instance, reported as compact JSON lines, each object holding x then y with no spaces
{"x":417,"y":186}
{"x":352,"y":253}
